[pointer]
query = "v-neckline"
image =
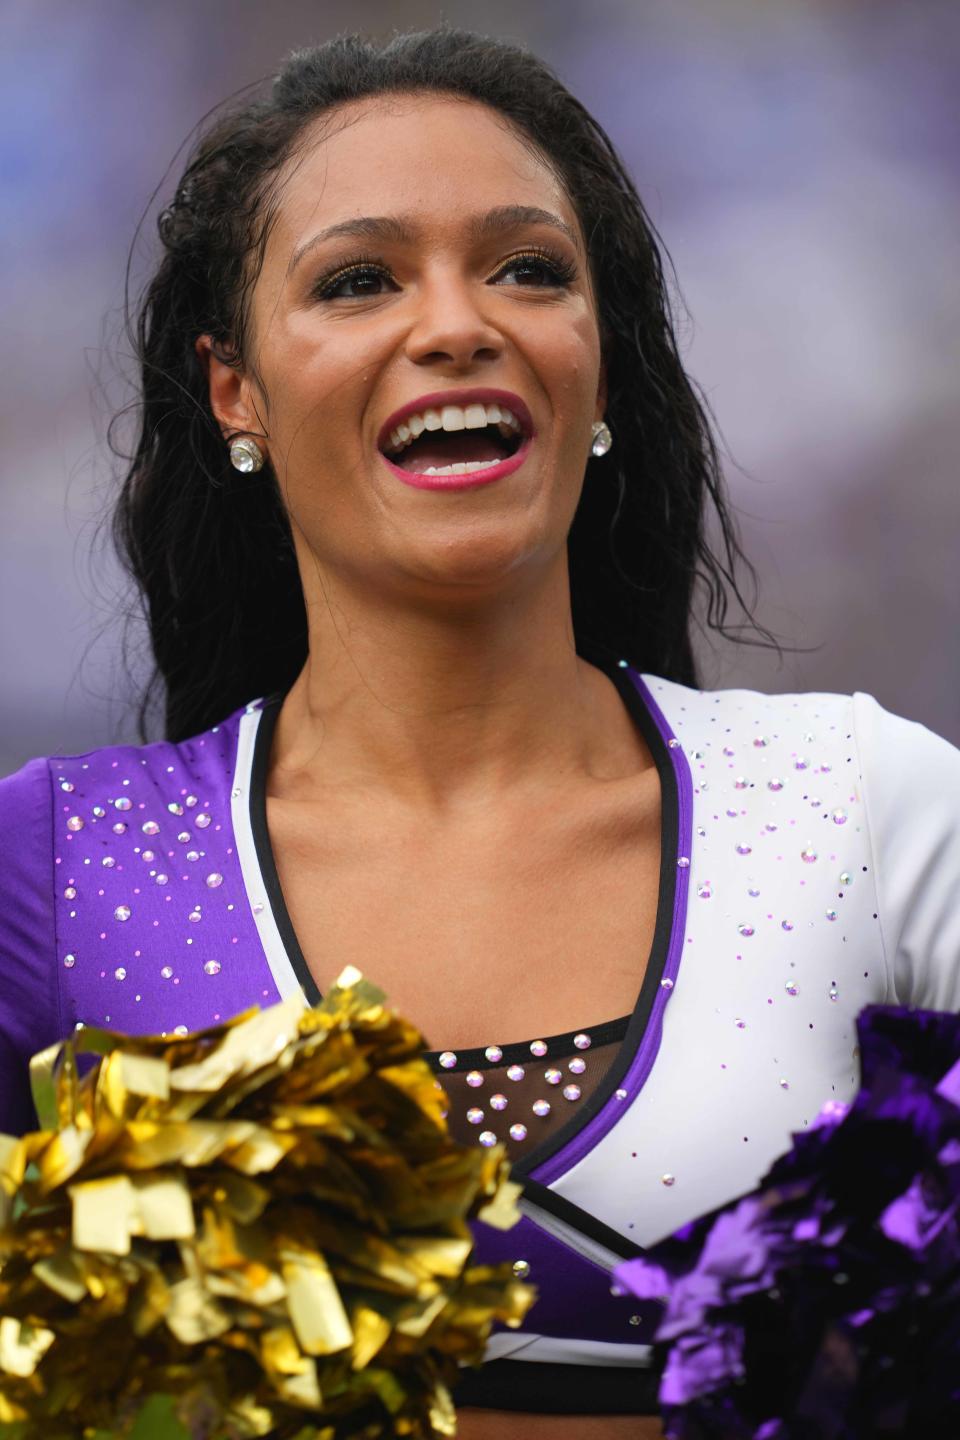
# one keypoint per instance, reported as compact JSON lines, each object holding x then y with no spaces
{"x":641,"y":1029}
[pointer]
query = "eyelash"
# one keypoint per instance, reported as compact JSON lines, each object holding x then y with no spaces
{"x":564,"y":272}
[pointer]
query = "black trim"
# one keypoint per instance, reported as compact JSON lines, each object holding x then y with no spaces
{"x":543,"y":1388}
{"x":663,"y":927}
{"x":541,"y":1197}
{"x":637,"y":1023}
{"x":558,"y":1048}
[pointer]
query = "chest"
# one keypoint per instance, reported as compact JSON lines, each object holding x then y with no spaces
{"x":536,"y":921}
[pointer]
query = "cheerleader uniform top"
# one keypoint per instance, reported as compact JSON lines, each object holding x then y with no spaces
{"x":810,"y":865}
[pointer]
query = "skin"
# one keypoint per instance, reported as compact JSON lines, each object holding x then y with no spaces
{"x":442,"y":703}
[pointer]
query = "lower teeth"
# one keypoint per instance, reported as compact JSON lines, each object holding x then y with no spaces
{"x":466,"y":467}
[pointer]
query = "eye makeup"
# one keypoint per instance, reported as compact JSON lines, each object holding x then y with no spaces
{"x":557,"y":272}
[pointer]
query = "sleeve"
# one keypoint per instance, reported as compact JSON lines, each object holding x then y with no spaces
{"x":29,"y":990}
{"x":910,"y":786}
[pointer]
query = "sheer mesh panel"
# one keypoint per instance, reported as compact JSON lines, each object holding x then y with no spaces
{"x":522,"y":1094}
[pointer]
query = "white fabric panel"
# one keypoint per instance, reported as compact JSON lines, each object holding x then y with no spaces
{"x":283,"y":973}
{"x":759,"y":1031}
{"x":519,"y":1346}
{"x":579,"y":1243}
{"x":912,"y":795}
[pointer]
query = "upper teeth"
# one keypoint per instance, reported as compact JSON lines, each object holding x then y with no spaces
{"x":453,"y":417}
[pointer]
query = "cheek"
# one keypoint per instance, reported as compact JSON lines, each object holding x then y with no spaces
{"x":326,"y":365}
{"x":574,"y":340}
{"x":575,"y":368}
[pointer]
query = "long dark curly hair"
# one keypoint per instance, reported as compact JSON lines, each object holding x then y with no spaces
{"x":210,"y":551}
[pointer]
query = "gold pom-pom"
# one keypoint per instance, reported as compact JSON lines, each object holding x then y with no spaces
{"x":261,"y":1227}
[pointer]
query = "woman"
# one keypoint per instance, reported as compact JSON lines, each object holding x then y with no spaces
{"x":416,"y":511}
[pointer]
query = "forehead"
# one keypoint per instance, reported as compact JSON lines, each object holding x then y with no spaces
{"x":434,"y":156}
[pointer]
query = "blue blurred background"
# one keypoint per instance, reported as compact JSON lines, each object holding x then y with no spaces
{"x":799,"y":161}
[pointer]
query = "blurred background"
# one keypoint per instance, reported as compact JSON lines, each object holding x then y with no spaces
{"x":799,"y":160}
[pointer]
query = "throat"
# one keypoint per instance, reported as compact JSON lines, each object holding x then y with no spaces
{"x":441,"y":447}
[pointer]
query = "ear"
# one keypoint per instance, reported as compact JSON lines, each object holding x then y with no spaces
{"x":230,"y":395}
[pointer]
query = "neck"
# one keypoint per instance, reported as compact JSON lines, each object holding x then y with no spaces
{"x":446,"y":713}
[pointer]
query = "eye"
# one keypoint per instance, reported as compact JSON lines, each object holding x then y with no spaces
{"x":539,"y":269}
{"x":360,"y":281}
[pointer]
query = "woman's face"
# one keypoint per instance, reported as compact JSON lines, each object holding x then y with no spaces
{"x":424,"y":265}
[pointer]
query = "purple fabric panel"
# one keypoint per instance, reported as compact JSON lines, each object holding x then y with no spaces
{"x":29,"y":1005}
{"x":574,"y":1300}
{"x":155,"y":928}
{"x":641,"y":1065}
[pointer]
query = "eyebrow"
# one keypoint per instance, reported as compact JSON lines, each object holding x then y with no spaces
{"x":395,"y":230}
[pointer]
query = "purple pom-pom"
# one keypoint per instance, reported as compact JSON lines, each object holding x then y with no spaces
{"x":826,"y":1304}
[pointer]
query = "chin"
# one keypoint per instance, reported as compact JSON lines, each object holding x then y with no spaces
{"x":474,"y":563}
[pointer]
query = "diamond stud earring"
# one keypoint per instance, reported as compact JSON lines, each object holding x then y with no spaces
{"x":245,"y":454}
{"x":602,"y":439}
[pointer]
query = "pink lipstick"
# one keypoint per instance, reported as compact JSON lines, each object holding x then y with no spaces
{"x":515,"y":422}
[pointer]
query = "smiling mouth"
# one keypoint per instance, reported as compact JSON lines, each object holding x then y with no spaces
{"x":454,"y":439}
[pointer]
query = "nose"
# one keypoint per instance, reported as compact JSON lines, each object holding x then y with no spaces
{"x":450,"y":327}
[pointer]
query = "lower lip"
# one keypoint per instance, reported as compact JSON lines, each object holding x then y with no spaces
{"x":469,"y":481}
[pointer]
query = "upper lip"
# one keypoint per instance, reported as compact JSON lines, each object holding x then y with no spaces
{"x":436,"y":400}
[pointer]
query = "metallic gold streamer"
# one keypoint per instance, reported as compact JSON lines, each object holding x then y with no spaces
{"x":266,"y":1220}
